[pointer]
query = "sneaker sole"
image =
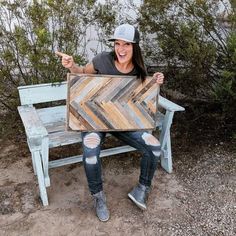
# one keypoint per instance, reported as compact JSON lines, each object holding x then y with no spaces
{"x":104,"y":220}
{"x":138,"y":204}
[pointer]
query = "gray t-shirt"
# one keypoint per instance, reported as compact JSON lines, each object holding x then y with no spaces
{"x":104,"y":64}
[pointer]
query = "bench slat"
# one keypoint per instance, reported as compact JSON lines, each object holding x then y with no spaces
{"x":34,"y":94}
{"x":55,"y":127}
{"x":104,"y":153}
{"x":52,"y":114}
{"x":64,"y":138}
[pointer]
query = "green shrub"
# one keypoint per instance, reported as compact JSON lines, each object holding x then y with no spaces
{"x":197,"y":39}
{"x":30,"y":32}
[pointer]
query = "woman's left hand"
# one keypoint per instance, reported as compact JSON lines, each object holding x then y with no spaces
{"x":159,"y":77}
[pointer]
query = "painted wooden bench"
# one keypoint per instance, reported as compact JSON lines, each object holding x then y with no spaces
{"x":45,"y":129}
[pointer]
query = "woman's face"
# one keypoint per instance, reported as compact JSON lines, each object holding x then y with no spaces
{"x":124,"y":51}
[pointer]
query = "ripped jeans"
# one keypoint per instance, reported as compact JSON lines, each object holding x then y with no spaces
{"x":141,"y":140}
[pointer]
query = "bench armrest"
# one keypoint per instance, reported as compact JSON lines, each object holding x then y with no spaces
{"x":34,"y":128}
{"x":168,"y":105}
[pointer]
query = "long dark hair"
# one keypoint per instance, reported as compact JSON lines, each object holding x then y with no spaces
{"x":137,"y":60}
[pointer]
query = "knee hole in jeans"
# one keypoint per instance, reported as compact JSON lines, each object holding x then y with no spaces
{"x":149,"y":139}
{"x":91,"y":160}
{"x":92,"y":140}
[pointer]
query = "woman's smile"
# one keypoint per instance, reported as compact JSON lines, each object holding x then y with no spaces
{"x":124,"y":51}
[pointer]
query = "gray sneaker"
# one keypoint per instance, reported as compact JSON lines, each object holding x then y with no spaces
{"x":100,"y":206}
{"x":139,"y":195}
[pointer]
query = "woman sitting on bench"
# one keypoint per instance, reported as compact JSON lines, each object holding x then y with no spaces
{"x":126,"y":59}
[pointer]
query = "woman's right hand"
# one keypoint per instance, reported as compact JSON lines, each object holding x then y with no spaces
{"x":66,"y":60}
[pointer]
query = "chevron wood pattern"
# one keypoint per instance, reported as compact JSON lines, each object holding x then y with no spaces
{"x":111,"y":103}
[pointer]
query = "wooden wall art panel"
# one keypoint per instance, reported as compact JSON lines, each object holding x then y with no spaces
{"x":111,"y":103}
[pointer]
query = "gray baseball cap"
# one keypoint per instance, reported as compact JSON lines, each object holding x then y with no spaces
{"x":127,"y":33}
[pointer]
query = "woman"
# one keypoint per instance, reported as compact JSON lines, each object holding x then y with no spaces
{"x":126,"y":59}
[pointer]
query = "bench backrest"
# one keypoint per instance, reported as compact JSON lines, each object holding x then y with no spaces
{"x":40,"y":93}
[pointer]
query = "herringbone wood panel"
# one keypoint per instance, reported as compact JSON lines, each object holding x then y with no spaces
{"x":111,"y":103}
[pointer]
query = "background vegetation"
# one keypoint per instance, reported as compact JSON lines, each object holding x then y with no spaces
{"x":197,"y":45}
{"x":193,"y":41}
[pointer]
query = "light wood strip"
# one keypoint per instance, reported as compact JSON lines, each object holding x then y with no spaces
{"x":116,"y":116}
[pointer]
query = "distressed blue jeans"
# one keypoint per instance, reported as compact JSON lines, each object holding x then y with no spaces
{"x":141,"y":140}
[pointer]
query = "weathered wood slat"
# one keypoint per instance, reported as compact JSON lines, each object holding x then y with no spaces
{"x":64,"y":138}
{"x":104,"y":153}
{"x":55,"y":127}
{"x":33,"y":94}
{"x":93,"y":103}
{"x":52,"y":114}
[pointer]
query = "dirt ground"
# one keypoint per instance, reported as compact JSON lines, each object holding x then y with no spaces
{"x":198,"y":198}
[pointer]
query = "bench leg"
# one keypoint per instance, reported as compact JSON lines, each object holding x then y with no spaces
{"x":166,"y":157}
{"x":33,"y":161}
{"x":40,"y":176}
{"x":45,"y":154}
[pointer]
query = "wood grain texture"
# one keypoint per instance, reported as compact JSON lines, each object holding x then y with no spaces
{"x":111,"y":103}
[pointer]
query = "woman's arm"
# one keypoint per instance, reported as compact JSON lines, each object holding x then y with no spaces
{"x":68,"y":62}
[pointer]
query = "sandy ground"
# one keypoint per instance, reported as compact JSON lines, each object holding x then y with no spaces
{"x":198,"y":198}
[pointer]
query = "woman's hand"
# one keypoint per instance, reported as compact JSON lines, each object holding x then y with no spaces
{"x":66,"y":60}
{"x":159,"y":77}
